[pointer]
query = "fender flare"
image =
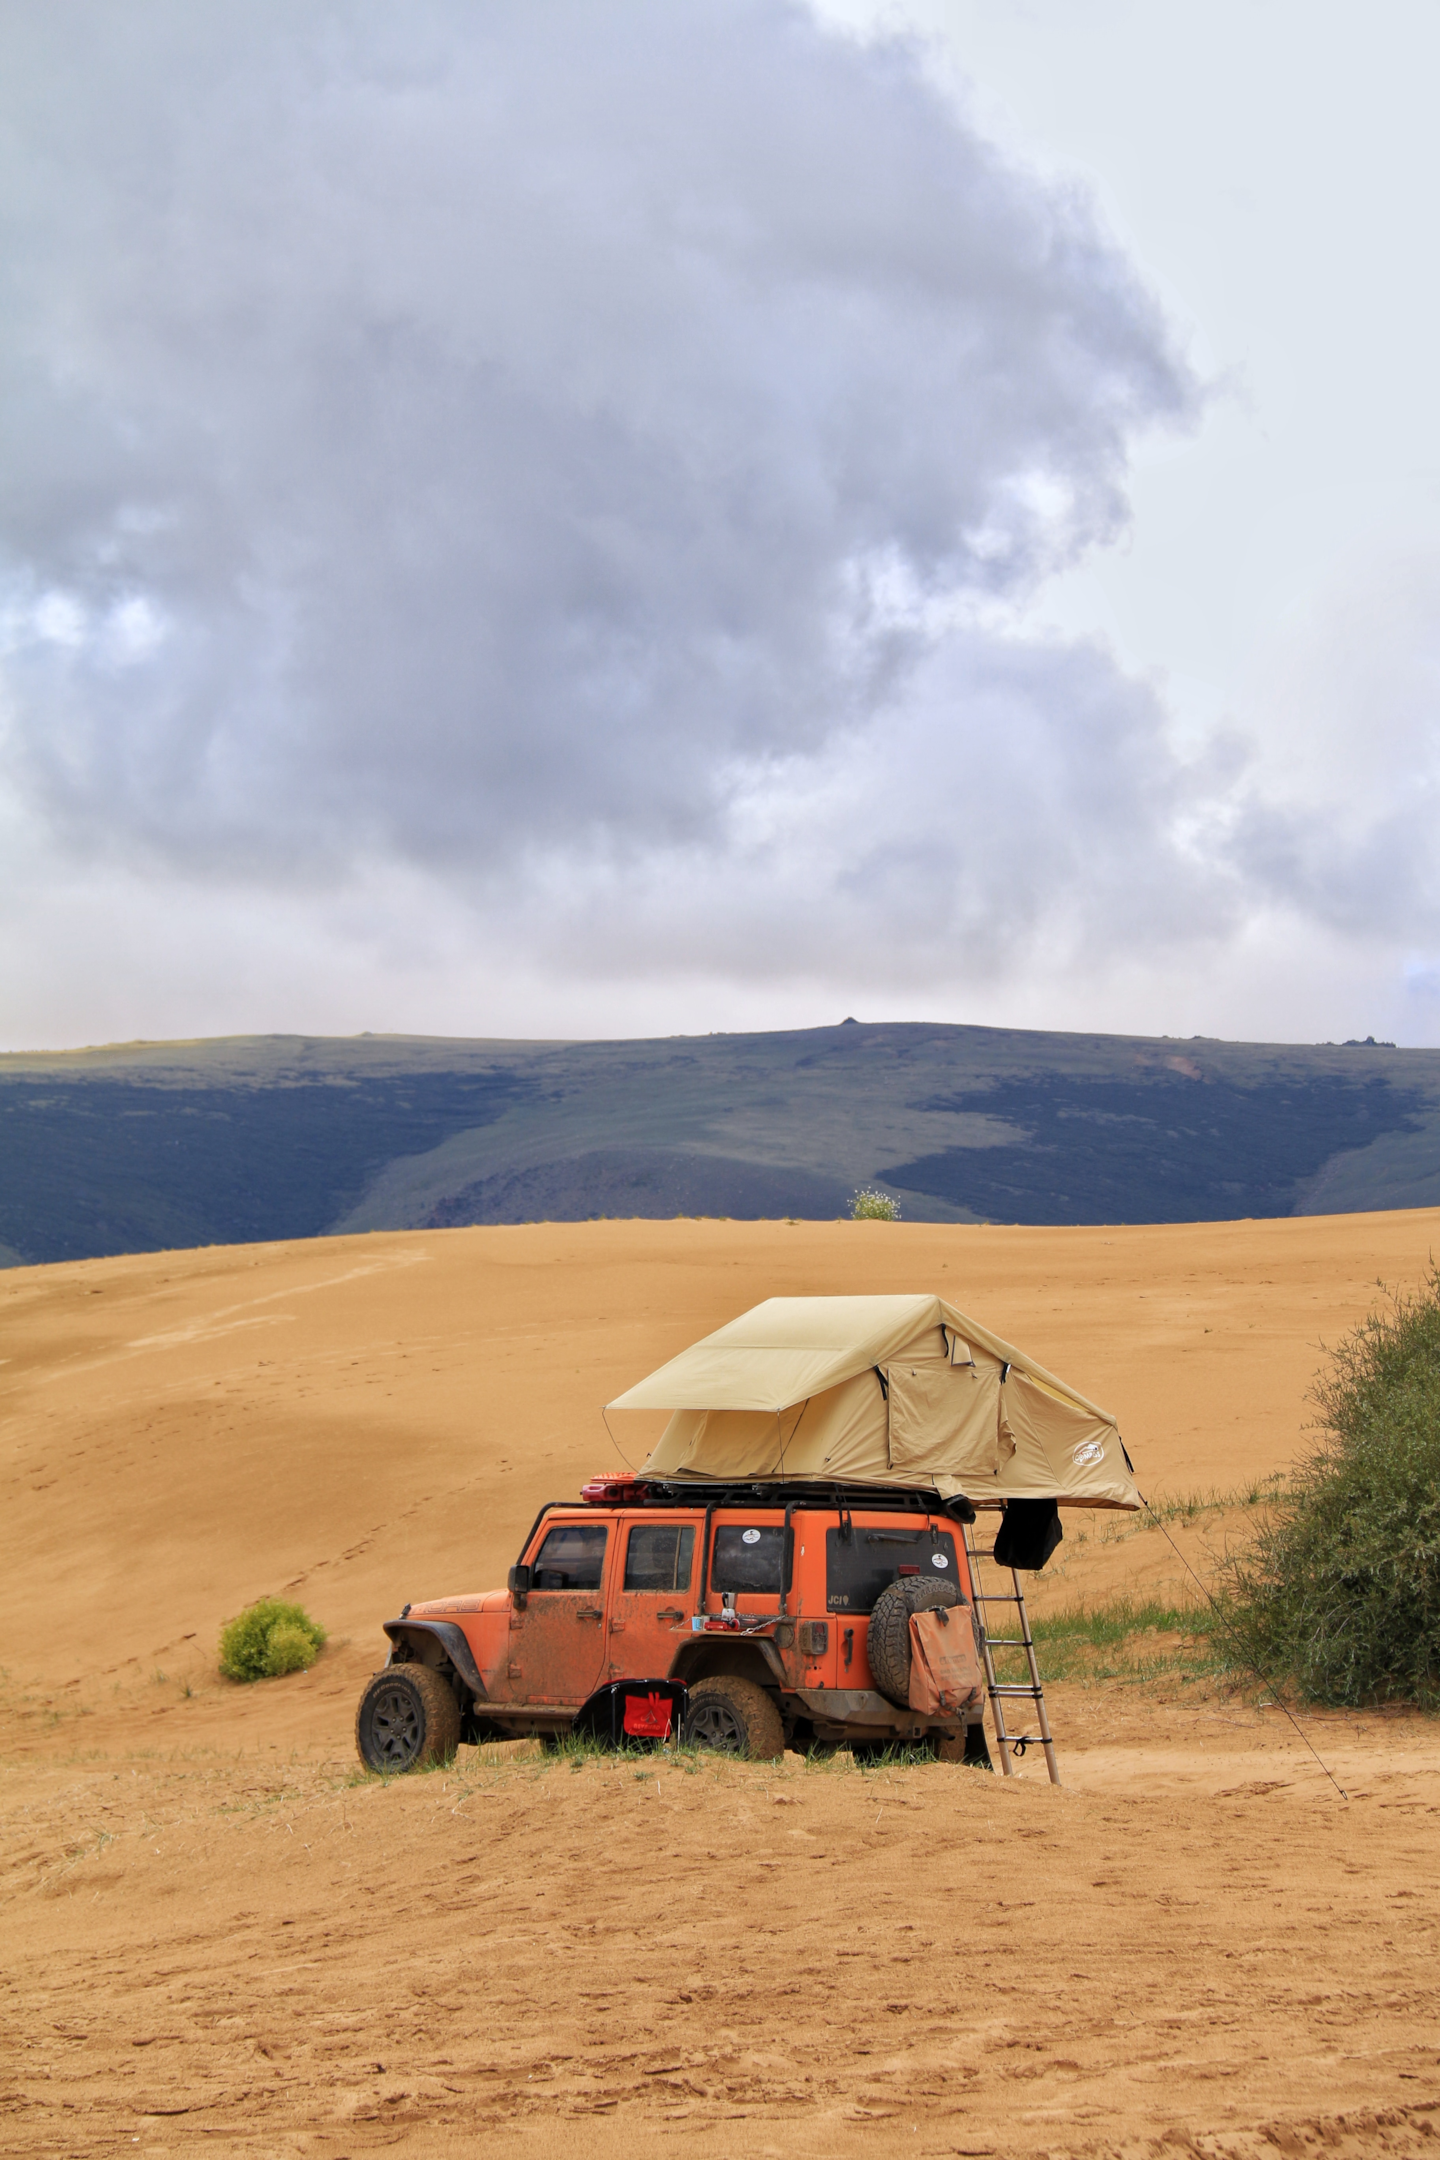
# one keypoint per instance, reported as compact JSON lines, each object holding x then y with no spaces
{"x":452,"y":1640}
{"x":701,"y":1648}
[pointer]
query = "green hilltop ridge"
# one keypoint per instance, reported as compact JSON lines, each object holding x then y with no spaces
{"x":147,"y":1146}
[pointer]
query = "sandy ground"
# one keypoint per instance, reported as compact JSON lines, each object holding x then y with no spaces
{"x":217,"y":1937}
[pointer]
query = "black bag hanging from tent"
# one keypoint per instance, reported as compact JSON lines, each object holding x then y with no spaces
{"x":1029,"y":1532}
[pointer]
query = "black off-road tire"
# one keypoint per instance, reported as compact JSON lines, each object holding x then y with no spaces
{"x":736,"y":1717}
{"x":977,"y":1753}
{"x":408,"y":1718}
{"x":966,"y":1746}
{"x":887,"y":1639}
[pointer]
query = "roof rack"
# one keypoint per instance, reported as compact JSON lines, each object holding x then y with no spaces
{"x":794,"y":1493}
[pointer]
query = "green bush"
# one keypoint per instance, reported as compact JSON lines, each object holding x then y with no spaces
{"x":872,"y":1206}
{"x":289,"y":1649}
{"x":1339,"y":1591}
{"x":267,"y":1639}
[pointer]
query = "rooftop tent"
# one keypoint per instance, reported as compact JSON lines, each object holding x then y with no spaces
{"x":880,"y":1391}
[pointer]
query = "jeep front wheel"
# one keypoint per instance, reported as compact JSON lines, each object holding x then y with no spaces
{"x":735,"y":1717}
{"x":408,"y":1719}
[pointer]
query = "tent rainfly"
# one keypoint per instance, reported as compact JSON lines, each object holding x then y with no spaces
{"x":879,"y":1391}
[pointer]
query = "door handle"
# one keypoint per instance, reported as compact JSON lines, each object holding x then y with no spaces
{"x":670,"y":1612}
{"x":588,"y":1612}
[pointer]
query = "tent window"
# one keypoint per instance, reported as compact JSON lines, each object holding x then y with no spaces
{"x":658,"y":1556}
{"x":572,"y":1557}
{"x":856,"y":1572}
{"x":750,"y":1556}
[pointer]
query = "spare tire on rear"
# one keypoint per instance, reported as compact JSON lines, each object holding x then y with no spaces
{"x":887,"y":1639}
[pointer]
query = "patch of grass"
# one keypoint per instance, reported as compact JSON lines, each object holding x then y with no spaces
{"x":268,"y":1639}
{"x":1122,"y":1639}
{"x":1113,"y":1622}
{"x":1338,"y":1591}
{"x":1188,"y":1507}
{"x":1185,"y":1508}
{"x":899,"y":1757}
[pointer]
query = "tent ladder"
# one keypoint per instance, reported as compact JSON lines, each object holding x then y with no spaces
{"x":1001,"y":1692}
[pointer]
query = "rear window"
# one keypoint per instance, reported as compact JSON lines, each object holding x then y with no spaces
{"x":860,"y":1566}
{"x":749,"y":1556}
{"x":571,"y":1558}
{"x":658,"y":1556}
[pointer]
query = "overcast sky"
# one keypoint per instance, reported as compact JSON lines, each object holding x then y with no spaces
{"x":578,"y":519}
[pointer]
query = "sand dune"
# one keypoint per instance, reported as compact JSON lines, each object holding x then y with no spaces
{"x":218,"y":1941}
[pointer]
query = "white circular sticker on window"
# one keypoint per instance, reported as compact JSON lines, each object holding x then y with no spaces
{"x":939,"y":1559}
{"x":749,"y":1537}
{"x":1089,"y":1451}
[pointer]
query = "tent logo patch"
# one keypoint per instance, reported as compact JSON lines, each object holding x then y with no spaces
{"x":1088,"y":1451}
{"x":939,"y":1559}
{"x":749,"y":1537}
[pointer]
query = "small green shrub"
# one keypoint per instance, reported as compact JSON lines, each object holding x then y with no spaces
{"x":872,"y":1206}
{"x":289,"y":1649}
{"x":1339,"y":1590}
{"x":267,"y":1639}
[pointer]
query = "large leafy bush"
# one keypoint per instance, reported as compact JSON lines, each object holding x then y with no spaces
{"x":1339,"y":1591}
{"x":267,"y":1639}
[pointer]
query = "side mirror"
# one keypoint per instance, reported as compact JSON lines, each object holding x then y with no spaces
{"x":520,"y":1586}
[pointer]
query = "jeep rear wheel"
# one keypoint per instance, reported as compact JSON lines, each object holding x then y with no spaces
{"x":735,"y":1717}
{"x":408,"y":1719}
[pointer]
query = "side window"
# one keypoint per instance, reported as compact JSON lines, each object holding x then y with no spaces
{"x":749,"y":1556}
{"x":571,"y":1558}
{"x":658,"y":1556}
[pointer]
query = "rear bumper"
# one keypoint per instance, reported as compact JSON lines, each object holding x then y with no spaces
{"x":865,"y":1710}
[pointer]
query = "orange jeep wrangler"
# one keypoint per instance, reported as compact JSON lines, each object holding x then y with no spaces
{"x":750,"y":1618}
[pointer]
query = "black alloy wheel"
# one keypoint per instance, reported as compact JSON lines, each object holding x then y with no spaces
{"x":396,"y":1725}
{"x":734,"y":1717}
{"x":408,"y":1718}
{"x":716,"y":1723}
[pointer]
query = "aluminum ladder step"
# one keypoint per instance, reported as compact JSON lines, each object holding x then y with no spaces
{"x":1002,"y":1691}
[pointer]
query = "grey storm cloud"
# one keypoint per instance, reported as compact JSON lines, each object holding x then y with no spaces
{"x":581,"y":451}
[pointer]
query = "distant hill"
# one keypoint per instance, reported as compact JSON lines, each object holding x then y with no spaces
{"x":144,"y":1146}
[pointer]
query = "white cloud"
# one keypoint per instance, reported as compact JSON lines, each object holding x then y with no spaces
{"x":495,"y":442}
{"x":504,"y":502}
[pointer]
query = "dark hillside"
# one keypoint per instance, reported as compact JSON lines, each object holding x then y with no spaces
{"x":106,"y":1166}
{"x":1180,"y":1150}
{"x":145,"y":1146}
